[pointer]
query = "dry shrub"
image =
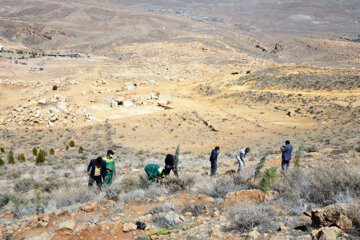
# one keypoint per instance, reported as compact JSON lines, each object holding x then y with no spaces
{"x":68,"y":195}
{"x":174,"y":185}
{"x":132,"y":195}
{"x":245,"y":218}
{"x":196,"y":210}
{"x":129,"y":183}
{"x":319,"y":185}
{"x":165,"y":220}
{"x":161,"y":208}
{"x":220,"y":186}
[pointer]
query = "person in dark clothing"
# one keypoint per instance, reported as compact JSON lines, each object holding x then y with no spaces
{"x":96,"y":171}
{"x":170,"y":165}
{"x":213,"y":160}
{"x":286,"y":155}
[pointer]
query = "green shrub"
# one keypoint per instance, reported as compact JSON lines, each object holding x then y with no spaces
{"x":260,"y":165}
{"x":268,"y":179}
{"x":2,"y":150}
{"x":35,"y":151}
{"x":81,"y":150}
{"x":8,"y":198}
{"x":10,"y":157}
{"x":298,"y":155}
{"x":67,"y":147}
{"x":52,"y":151}
{"x":72,"y":143}
{"x":21,"y":158}
{"x":41,"y":157}
{"x":2,"y":163}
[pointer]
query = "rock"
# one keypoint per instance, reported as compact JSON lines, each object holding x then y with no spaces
{"x":209,"y":200}
{"x":202,"y":197}
{"x":283,"y":229}
{"x":344,"y":223}
{"x":89,"y":207}
{"x":271,"y":196}
{"x":43,"y":220}
{"x":109,"y":202}
{"x":129,"y":86}
{"x":326,"y":233}
{"x":254,"y":235}
{"x":128,"y":103}
{"x":161,"y":199}
{"x":188,"y":214}
{"x":66,"y":225}
{"x":42,"y":101}
{"x":332,"y":215}
{"x":253,"y":196}
{"x":127,"y":227}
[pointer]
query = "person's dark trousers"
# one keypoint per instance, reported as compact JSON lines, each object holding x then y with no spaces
{"x":285,"y":164}
{"x":96,"y":179}
{"x":213,"y":168}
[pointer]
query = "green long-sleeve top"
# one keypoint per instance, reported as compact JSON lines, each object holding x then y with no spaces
{"x":110,"y":164}
{"x":153,"y":171}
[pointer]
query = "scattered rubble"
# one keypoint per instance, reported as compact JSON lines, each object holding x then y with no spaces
{"x":46,"y":111}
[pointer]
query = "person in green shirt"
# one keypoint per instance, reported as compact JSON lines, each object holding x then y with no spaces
{"x":110,"y":167}
{"x":154,"y":172}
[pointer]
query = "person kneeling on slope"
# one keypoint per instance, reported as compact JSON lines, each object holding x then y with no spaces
{"x":154,"y":172}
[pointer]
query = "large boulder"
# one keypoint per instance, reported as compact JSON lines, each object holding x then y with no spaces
{"x":326,"y":233}
{"x":332,"y":215}
{"x":68,"y":225}
{"x":253,"y":196}
{"x":127,"y":227}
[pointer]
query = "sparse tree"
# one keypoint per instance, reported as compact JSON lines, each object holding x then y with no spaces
{"x":52,"y":151}
{"x":10,"y":157}
{"x":2,"y":150}
{"x":81,"y":150}
{"x":2,"y":163}
{"x":268,"y":179}
{"x":41,"y":157}
{"x":177,"y":155}
{"x":260,"y":165}
{"x":72,"y":143}
{"x":21,"y":157}
{"x":34,"y":151}
{"x":67,"y":147}
{"x":298,"y":155}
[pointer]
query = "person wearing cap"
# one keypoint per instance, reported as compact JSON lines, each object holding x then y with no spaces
{"x":241,"y":157}
{"x":110,"y":167}
{"x":154,"y":172}
{"x":96,"y":171}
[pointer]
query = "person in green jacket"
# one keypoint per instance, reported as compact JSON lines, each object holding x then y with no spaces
{"x":154,"y":171}
{"x":110,"y":167}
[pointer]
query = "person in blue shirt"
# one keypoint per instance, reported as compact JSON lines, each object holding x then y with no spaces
{"x":286,"y":155}
{"x":213,"y":160}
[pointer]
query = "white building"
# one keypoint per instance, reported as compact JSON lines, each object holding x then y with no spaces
{"x":1,"y":48}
